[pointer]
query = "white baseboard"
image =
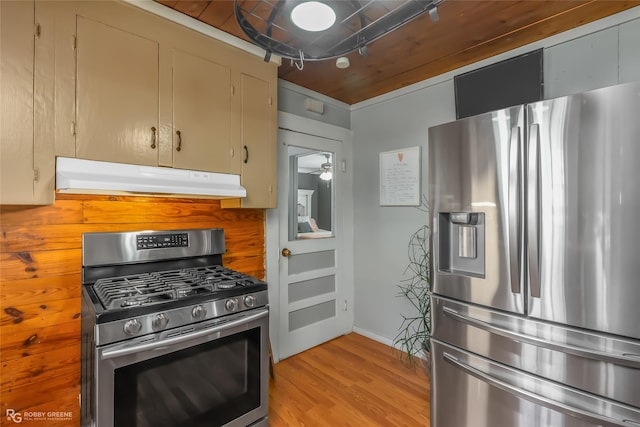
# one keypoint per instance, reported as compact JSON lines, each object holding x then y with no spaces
{"x":373,"y":336}
{"x":378,"y":338}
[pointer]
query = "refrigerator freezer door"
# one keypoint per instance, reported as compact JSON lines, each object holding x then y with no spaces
{"x":592,"y":362}
{"x":475,"y":175}
{"x":471,"y":391}
{"x":583,"y":212}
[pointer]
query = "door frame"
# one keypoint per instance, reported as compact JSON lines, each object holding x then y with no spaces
{"x":299,"y":124}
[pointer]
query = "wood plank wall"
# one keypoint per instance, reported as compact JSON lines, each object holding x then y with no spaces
{"x":40,"y":285}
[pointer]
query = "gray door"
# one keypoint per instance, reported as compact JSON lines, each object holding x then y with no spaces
{"x":583,"y":206}
{"x":475,"y":173}
{"x":313,"y":295}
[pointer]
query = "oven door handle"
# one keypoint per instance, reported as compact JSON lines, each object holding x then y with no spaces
{"x":156,"y":345}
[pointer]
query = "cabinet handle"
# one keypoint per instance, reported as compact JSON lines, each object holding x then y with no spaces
{"x":153,"y":137}
{"x":246,"y":154}
{"x":179,"y":134}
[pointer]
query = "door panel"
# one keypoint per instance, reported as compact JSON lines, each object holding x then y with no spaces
{"x":471,"y":391}
{"x":304,"y":289}
{"x":588,"y":202}
{"x":311,"y":314}
{"x":475,"y":169}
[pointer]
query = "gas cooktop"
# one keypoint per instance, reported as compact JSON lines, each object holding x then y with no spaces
{"x":156,"y":287}
{"x":150,"y":281}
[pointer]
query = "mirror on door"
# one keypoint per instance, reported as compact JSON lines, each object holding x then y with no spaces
{"x":311,"y":199}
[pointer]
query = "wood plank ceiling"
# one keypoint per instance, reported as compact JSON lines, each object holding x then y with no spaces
{"x":468,"y":31}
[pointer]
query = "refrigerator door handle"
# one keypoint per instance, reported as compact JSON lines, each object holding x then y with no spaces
{"x":582,"y":414}
{"x":624,"y":359}
{"x":514,"y":208}
{"x":533,"y":208}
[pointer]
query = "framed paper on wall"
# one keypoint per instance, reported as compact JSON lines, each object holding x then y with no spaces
{"x":400,"y":177}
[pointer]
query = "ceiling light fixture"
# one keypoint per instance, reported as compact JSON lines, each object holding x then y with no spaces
{"x":343,"y":62}
{"x":313,"y":16}
{"x":303,"y":30}
{"x":326,"y":174}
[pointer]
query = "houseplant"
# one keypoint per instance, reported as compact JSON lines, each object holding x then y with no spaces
{"x":415,"y":330}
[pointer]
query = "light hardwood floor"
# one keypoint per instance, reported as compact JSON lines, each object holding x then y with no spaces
{"x":349,"y":381}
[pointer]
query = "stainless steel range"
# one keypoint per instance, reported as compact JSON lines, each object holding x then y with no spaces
{"x":170,"y":336}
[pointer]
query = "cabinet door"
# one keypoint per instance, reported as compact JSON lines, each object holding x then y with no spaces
{"x":16,"y":126}
{"x":117,"y":95}
{"x":201,"y":115}
{"x":258,"y":143}
{"x":26,"y":176}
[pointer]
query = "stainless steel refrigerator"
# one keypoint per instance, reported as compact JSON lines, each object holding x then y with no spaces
{"x":535,"y":216}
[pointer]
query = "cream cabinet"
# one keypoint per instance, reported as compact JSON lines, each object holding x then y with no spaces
{"x":108,"y":81}
{"x":256,"y":113}
{"x":117,"y":98}
{"x":26,"y":148}
{"x":201,"y":125}
{"x":118,"y":101}
{"x":147,"y":91}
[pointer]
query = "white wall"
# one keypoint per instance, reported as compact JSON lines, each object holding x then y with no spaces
{"x":291,"y":99}
{"x":381,"y":233}
{"x":595,"y":55}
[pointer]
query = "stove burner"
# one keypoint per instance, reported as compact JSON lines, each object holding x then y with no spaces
{"x":134,"y":302}
{"x":226,"y":285}
{"x":156,"y":287}
{"x":182,"y":289}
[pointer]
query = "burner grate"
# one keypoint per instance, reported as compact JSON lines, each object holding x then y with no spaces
{"x":223,"y":278}
{"x":156,"y":287}
{"x":130,"y":291}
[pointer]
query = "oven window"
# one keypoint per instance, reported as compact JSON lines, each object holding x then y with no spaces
{"x":205,"y":385}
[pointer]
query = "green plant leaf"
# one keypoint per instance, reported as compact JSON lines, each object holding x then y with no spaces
{"x":415,"y":331}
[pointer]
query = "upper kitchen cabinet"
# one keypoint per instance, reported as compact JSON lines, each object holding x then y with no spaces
{"x":201,"y":115}
{"x":145,"y":90}
{"x":132,"y":87}
{"x":257,"y":117}
{"x":26,"y":147}
{"x":117,"y":98}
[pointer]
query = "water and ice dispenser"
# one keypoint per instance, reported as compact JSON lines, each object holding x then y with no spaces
{"x":462,"y":243}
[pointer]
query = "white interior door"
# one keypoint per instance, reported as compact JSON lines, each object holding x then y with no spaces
{"x":313,"y":305}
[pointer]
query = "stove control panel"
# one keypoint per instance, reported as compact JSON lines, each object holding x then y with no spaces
{"x":167,"y":320}
{"x":155,"y":241}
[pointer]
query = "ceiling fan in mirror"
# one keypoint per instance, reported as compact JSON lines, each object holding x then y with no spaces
{"x":309,"y":30}
{"x":325,"y":168}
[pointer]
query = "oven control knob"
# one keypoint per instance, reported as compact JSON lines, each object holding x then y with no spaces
{"x":199,"y":312}
{"x":160,"y":321}
{"x":249,"y":301}
{"x":132,"y":327}
{"x":231,"y":304}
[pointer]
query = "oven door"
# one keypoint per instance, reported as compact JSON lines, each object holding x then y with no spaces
{"x":213,"y":373}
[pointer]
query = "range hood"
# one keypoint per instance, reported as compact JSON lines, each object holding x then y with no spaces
{"x":95,"y":177}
